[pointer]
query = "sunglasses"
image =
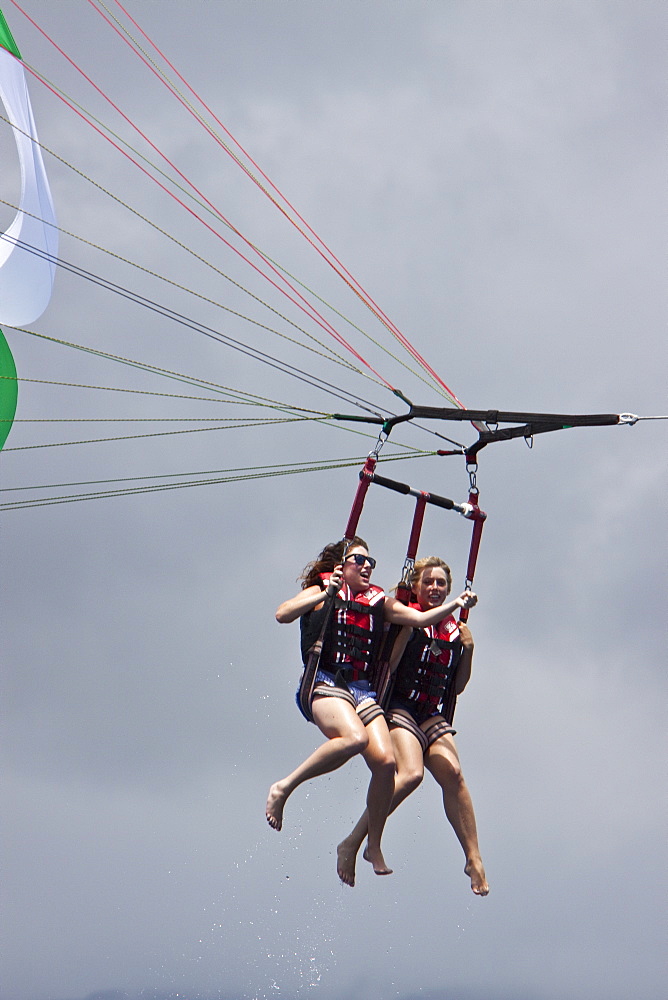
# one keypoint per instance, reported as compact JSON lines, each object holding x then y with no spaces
{"x":359,"y":559}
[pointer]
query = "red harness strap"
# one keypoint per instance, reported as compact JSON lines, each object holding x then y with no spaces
{"x":478,"y":517}
{"x":365,"y":480}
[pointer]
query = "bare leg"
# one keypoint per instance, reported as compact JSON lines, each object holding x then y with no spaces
{"x":443,"y":762}
{"x":409,"y":772}
{"x":346,"y":736}
{"x":379,"y":757}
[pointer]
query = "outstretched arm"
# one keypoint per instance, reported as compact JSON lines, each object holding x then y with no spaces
{"x":399,"y":614}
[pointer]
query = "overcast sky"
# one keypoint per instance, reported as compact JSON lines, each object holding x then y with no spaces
{"x":493,"y":172}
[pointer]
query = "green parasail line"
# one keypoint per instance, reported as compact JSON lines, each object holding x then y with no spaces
{"x":8,"y":389}
{"x":7,"y":39}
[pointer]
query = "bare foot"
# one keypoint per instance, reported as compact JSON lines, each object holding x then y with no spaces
{"x":274,"y":808}
{"x":376,"y":859}
{"x":476,"y":873}
{"x":346,"y":856}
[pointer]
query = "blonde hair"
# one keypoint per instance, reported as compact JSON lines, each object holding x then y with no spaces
{"x":422,"y":564}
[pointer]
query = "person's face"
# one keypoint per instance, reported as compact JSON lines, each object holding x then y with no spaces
{"x":355,"y":575}
{"x":432,"y":587}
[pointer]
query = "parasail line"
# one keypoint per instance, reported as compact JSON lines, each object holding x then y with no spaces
{"x":242,"y":421}
{"x":146,"y":59}
{"x":145,"y":366}
{"x":305,"y":307}
{"x":68,"y":99}
{"x":216,"y":335}
{"x":353,"y":284}
{"x":331,"y":355}
{"x":362,"y":295}
{"x":192,"y":430}
{"x":106,"y":494}
{"x":258,"y":401}
{"x":74,"y":104}
{"x":293,"y":466}
{"x":359,"y":329}
{"x":198,"y":257}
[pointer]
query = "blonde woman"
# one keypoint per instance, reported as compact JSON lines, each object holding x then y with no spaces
{"x":426,"y":662}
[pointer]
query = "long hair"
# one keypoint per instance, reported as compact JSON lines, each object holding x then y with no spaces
{"x":330,"y":557}
{"x":426,"y":563}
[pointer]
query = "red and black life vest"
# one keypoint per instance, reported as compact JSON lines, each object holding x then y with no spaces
{"x":354,"y":633}
{"x":428,"y":664}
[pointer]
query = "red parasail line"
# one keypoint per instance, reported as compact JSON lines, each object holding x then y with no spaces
{"x":309,"y":310}
{"x":353,"y":284}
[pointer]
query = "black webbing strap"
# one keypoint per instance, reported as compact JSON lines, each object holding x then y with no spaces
{"x":307,"y":682}
{"x":533,"y":423}
{"x":385,"y":681}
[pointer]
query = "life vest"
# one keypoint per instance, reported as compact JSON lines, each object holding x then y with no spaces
{"x":353,"y":635}
{"x":428,"y":664}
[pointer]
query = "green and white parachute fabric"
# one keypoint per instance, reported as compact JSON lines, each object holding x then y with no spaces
{"x":29,"y":247}
{"x":8,"y":389}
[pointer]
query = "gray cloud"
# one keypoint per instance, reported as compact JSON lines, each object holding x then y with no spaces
{"x":490,"y":172}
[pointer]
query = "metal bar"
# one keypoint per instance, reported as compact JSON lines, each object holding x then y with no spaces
{"x":433,"y":498}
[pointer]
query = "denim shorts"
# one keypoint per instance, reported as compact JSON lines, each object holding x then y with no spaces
{"x":355,"y":692}
{"x":360,"y":690}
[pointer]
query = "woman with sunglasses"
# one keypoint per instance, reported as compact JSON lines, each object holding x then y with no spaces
{"x":344,"y":705}
{"x":426,"y":662}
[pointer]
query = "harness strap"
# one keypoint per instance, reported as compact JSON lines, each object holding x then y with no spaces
{"x":478,"y":517}
{"x":366,"y":476}
{"x":425,"y":679}
{"x":352,"y":629}
{"x":386,"y":677}
{"x":310,"y":670}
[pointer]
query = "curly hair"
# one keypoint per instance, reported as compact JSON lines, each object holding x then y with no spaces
{"x":422,"y":564}
{"x":330,"y":557}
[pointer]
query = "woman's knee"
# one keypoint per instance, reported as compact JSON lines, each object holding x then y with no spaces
{"x":381,"y":762}
{"x":446,"y":769}
{"x":408,"y":780}
{"x":355,"y":742}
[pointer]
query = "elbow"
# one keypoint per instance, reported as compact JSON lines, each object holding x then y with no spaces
{"x":461,"y":680}
{"x":282,"y":616}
